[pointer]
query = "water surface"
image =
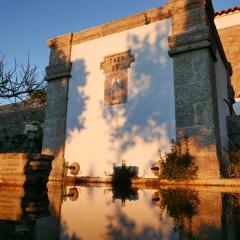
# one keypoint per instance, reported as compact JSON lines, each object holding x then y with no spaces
{"x":104,"y":213}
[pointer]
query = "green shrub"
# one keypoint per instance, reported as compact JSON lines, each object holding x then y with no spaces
{"x":234,"y":155}
{"x":123,"y":175}
{"x":178,"y":164}
{"x":233,"y":169}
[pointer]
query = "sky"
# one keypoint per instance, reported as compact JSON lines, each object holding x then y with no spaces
{"x":27,"y":24}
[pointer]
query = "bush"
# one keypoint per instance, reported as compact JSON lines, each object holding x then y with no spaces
{"x":179,"y":164}
{"x":123,"y":175}
{"x":234,"y":155}
{"x":233,"y":169}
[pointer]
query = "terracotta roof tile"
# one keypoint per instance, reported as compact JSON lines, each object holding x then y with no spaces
{"x":230,"y":10}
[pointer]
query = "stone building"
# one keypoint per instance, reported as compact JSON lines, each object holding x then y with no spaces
{"x":124,"y":89}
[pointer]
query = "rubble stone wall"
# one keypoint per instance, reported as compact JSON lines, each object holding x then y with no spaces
{"x":14,"y":118}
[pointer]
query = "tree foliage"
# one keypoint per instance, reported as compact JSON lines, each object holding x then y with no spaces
{"x":21,"y":82}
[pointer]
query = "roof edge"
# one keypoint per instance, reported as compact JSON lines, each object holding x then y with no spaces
{"x":227,"y":11}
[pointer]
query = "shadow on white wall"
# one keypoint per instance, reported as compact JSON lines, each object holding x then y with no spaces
{"x":149,"y":115}
{"x":133,"y":131}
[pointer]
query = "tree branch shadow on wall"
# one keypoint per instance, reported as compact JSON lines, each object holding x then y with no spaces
{"x":78,"y":98}
{"x":149,"y":114}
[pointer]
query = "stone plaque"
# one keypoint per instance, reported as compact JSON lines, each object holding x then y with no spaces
{"x":116,"y":82}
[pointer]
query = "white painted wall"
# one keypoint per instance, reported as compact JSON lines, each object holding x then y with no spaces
{"x":222,"y":93}
{"x":99,"y":136}
{"x":227,"y":20}
{"x":236,"y":106}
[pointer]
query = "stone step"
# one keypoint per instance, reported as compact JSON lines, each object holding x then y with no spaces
{"x":23,"y":168}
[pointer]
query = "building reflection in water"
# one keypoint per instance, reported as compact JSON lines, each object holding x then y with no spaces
{"x":205,"y":213}
{"x":20,"y":208}
{"x":104,"y":213}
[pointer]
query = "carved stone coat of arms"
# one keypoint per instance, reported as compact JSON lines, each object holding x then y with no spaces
{"x":116,"y":81}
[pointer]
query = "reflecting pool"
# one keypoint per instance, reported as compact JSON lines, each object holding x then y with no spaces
{"x":84,"y":212}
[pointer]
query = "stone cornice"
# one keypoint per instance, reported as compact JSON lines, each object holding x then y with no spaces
{"x":171,"y":9}
{"x":60,"y":41}
{"x":120,"y":25}
{"x":179,"y":6}
{"x":60,"y":64}
{"x":188,"y":38}
{"x":191,"y":41}
{"x":123,"y":24}
{"x":58,"y":71}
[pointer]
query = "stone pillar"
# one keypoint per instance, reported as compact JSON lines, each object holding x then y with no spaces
{"x":193,"y":53}
{"x":57,"y":74}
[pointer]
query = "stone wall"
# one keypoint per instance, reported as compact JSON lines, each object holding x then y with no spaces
{"x":194,"y":46}
{"x":15,"y":120}
{"x":230,"y":38}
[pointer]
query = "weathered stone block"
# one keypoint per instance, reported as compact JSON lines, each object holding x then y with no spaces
{"x":204,"y":115}
{"x":192,"y":93}
{"x":185,"y":115}
{"x":203,"y":136}
{"x":183,"y":75}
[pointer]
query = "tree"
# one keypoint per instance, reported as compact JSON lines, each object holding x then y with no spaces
{"x":21,"y":83}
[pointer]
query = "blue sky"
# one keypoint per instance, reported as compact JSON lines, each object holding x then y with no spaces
{"x":27,"y":24}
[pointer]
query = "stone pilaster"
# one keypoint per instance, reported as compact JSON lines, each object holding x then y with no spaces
{"x":57,"y":75}
{"x":193,"y":51}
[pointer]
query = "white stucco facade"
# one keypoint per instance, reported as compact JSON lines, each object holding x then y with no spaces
{"x":98,"y":135}
{"x":227,"y":20}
